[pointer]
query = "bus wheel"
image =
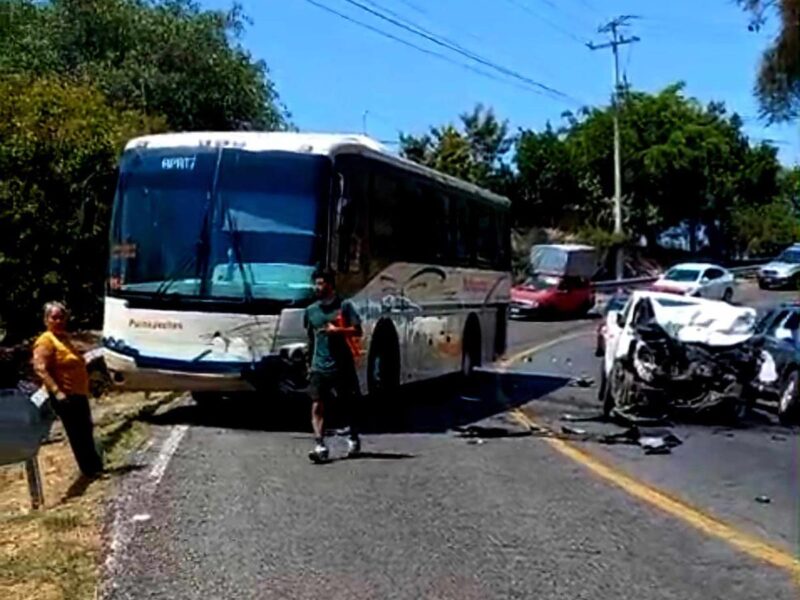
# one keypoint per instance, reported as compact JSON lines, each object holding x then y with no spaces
{"x":383,"y":374}
{"x":204,"y":399}
{"x":470,"y":348}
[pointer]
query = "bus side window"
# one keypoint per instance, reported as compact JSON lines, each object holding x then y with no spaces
{"x":503,"y":236}
{"x":350,"y":221}
{"x":486,"y":239}
{"x":461,"y":230}
{"x":385,"y":193}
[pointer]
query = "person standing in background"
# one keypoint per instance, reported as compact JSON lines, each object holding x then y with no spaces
{"x":62,"y":370}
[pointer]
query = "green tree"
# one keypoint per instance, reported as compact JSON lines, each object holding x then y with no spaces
{"x":766,"y":229}
{"x":161,"y":57}
{"x":778,"y":84}
{"x":60,"y":143}
{"x":555,"y":188}
{"x":682,"y":161}
{"x":476,"y":153}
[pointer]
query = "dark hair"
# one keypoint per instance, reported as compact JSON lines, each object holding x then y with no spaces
{"x":326,"y":275}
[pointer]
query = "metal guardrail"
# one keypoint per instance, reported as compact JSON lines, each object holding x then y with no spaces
{"x":24,"y":424}
{"x":636,"y":281}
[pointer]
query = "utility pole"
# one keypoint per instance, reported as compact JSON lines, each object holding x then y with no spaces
{"x":613,"y":29}
{"x":364,"y":122}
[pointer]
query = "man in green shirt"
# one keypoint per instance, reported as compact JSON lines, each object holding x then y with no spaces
{"x":331,"y":323}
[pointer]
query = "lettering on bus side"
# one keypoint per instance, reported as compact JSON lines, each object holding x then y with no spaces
{"x":475,"y":285}
{"x":146,"y":324}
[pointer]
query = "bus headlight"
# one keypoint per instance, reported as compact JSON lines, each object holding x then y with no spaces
{"x":293,"y":352}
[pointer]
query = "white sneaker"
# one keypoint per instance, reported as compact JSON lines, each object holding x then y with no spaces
{"x":319,"y":454}
{"x":353,"y":447}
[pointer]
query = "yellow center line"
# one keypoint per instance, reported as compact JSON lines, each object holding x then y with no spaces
{"x":749,"y":544}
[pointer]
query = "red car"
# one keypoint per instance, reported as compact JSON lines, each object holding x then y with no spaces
{"x":552,"y":296}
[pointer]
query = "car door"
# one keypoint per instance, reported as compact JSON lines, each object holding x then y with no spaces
{"x":569,"y":295}
{"x":616,"y":323}
{"x":781,"y":343}
{"x":714,"y":287}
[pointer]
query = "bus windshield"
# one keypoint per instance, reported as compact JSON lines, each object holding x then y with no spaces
{"x":218,"y":223}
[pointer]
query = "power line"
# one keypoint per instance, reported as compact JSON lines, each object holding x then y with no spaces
{"x":541,"y":17}
{"x":439,"y":55}
{"x":449,"y":40}
{"x":589,"y":5}
{"x":415,"y":7}
{"x":558,"y":7}
{"x":409,"y":23}
{"x":462,"y":51}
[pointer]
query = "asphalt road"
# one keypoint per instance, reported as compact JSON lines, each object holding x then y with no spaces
{"x":432,"y":512}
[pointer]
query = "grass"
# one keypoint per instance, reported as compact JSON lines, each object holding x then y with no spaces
{"x":54,"y":553}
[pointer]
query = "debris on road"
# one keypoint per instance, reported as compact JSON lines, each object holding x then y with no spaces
{"x":572,"y":430}
{"x":660,"y":441}
{"x":582,"y":382}
{"x":598,"y":418}
{"x":476,"y":441}
{"x":482,"y":432}
{"x":763,"y":499}
{"x":629,"y":436}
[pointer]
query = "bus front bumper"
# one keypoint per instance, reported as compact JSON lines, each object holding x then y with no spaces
{"x":126,"y":374}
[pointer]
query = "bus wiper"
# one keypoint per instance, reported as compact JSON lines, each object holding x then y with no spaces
{"x":198,"y":256}
{"x":237,"y":251}
{"x":173,"y":277}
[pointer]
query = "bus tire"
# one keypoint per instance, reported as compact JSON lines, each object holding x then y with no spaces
{"x":471,"y":345}
{"x":204,"y":399}
{"x":383,"y":365}
{"x":500,"y":333}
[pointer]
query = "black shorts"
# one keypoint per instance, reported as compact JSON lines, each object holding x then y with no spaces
{"x":326,"y":386}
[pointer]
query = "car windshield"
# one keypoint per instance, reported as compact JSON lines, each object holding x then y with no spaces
{"x":540,"y":283}
{"x":217,"y":223}
{"x":682,"y":275}
{"x":617,"y":302}
{"x":790,"y":256}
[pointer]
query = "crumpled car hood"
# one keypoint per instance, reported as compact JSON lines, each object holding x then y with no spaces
{"x":706,"y":322}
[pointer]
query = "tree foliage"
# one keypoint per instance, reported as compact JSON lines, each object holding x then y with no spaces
{"x":778,"y":84}
{"x":683,"y":163}
{"x":60,"y":142}
{"x":165,"y":57}
{"x":475,"y":153}
{"x":77,"y":79}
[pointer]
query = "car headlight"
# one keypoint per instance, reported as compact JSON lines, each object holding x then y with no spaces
{"x":527,"y":303}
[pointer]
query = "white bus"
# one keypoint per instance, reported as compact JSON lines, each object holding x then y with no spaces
{"x":215,"y":237}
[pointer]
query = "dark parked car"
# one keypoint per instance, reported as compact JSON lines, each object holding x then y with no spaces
{"x":779,"y":334}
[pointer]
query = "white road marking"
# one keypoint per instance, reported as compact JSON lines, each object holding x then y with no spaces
{"x":132,"y":500}
{"x":165,"y":455}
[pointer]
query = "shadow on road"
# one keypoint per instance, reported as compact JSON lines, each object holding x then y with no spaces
{"x":431,"y":407}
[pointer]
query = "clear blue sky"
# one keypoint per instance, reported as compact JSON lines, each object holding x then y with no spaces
{"x":329,"y":71}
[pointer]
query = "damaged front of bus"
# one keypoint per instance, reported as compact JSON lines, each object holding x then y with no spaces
{"x":214,"y":240}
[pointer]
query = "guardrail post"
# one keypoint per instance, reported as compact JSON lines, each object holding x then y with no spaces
{"x":35,"y":487}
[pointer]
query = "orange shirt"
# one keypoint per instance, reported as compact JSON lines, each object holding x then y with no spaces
{"x":65,"y":365}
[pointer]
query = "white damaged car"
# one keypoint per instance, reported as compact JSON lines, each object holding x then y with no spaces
{"x":666,"y":353}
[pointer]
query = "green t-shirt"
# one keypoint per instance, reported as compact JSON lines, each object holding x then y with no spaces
{"x":330,"y":352}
